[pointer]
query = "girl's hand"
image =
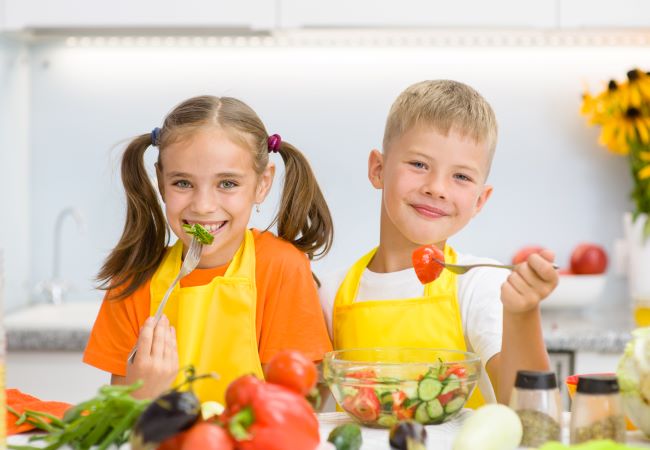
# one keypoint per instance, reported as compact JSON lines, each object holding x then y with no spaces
{"x":529,"y":283}
{"x":156,"y":361}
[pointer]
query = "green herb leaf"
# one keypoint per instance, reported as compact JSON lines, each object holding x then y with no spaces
{"x":197,"y":230}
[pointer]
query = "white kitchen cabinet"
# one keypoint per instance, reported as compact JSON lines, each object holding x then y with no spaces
{"x":416,"y":13}
{"x":604,"y":14}
{"x":120,"y":14}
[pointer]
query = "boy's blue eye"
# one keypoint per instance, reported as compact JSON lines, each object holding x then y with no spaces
{"x":462,"y":177}
{"x":418,"y":164}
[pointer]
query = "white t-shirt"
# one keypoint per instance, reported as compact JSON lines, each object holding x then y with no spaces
{"x":479,"y":299}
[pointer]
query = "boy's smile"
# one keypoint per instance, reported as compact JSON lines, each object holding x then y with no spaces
{"x":432,"y":187}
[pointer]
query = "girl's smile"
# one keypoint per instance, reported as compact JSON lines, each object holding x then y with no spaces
{"x":212,"y":227}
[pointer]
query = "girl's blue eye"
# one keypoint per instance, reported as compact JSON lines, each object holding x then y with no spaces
{"x":462,"y":177}
{"x":227,"y":184}
{"x":182,"y":184}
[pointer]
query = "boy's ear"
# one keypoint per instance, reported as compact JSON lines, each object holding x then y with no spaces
{"x":376,"y":169}
{"x":160,"y":183}
{"x":264,"y":183}
{"x":482,"y":198}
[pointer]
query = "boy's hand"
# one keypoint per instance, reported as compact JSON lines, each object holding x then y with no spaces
{"x":529,"y":283}
{"x":156,"y":361}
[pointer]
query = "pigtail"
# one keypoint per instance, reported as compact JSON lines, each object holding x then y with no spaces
{"x":144,"y":238}
{"x":303,"y":217}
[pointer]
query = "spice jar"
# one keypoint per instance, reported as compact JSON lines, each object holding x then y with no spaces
{"x":536,"y":399}
{"x":597,"y":411}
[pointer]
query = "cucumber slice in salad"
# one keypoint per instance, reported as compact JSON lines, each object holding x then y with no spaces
{"x":387,"y":421}
{"x":454,"y":405}
{"x":421,"y":414}
{"x":435,"y":410}
{"x":203,"y":235}
{"x":429,"y":388}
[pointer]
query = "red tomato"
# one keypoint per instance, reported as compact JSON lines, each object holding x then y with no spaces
{"x":588,"y":259}
{"x":365,"y":405}
{"x":173,"y":443}
{"x":524,"y":252}
{"x":292,"y":370}
{"x":446,"y":398}
{"x":241,"y":390}
{"x":207,"y":436}
{"x":398,"y":408}
{"x":368,"y":375}
{"x":457,"y":370}
{"x":426,"y":263}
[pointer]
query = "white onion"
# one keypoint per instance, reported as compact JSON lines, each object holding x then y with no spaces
{"x":492,"y":427}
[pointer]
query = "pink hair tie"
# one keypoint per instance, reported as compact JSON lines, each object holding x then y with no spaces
{"x":274,"y":143}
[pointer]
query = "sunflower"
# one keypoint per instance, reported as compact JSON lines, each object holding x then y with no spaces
{"x":622,"y":111}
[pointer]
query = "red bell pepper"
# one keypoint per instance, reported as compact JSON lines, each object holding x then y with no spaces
{"x":426,"y":262}
{"x":266,"y":416}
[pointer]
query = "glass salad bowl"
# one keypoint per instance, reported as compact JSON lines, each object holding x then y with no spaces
{"x":380,"y":386}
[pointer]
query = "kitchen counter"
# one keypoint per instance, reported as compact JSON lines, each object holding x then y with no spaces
{"x":48,"y":327}
{"x":67,"y":327}
{"x":602,"y":329}
{"x":440,"y":437}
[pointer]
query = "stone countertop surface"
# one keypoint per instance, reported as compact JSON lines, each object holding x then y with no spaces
{"x":600,"y":328}
{"x":604,"y":329}
{"x":50,"y":328}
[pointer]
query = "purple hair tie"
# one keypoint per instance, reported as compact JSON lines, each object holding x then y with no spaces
{"x":155,"y":136}
{"x":274,"y":142}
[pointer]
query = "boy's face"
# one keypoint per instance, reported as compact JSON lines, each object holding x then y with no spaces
{"x":432,"y":185}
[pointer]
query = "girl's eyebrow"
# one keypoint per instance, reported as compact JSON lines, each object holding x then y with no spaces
{"x":179,"y":174}
{"x":229,"y":175}
{"x":217,"y":175}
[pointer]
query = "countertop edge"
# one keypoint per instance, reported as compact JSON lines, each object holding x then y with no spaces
{"x":70,"y":340}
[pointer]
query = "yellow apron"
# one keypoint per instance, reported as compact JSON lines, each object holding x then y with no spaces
{"x":431,"y":321}
{"x":215,"y":323}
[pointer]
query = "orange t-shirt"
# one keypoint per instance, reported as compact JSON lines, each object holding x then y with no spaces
{"x":288,"y":316}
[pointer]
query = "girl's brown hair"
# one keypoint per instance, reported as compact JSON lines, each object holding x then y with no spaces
{"x":303,"y":217}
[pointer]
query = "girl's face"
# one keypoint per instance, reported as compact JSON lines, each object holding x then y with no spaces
{"x":208,"y":178}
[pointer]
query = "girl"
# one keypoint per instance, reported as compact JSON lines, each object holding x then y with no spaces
{"x":252,"y":293}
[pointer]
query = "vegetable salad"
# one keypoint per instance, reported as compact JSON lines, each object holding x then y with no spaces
{"x":435,"y":397}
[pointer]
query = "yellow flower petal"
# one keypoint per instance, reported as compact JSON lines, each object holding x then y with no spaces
{"x":644,"y":156}
{"x":642,"y":131}
{"x":644,"y":173}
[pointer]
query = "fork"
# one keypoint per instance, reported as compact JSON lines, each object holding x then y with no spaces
{"x":189,"y":264}
{"x":461,"y":269}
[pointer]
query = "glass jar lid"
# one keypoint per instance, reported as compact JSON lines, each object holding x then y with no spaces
{"x":597,"y":384}
{"x":528,"y":379}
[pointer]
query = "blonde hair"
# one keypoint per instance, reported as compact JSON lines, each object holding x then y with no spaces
{"x":444,"y":105}
{"x":303,"y":217}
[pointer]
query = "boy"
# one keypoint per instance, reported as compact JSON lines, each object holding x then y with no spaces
{"x":437,"y":151}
